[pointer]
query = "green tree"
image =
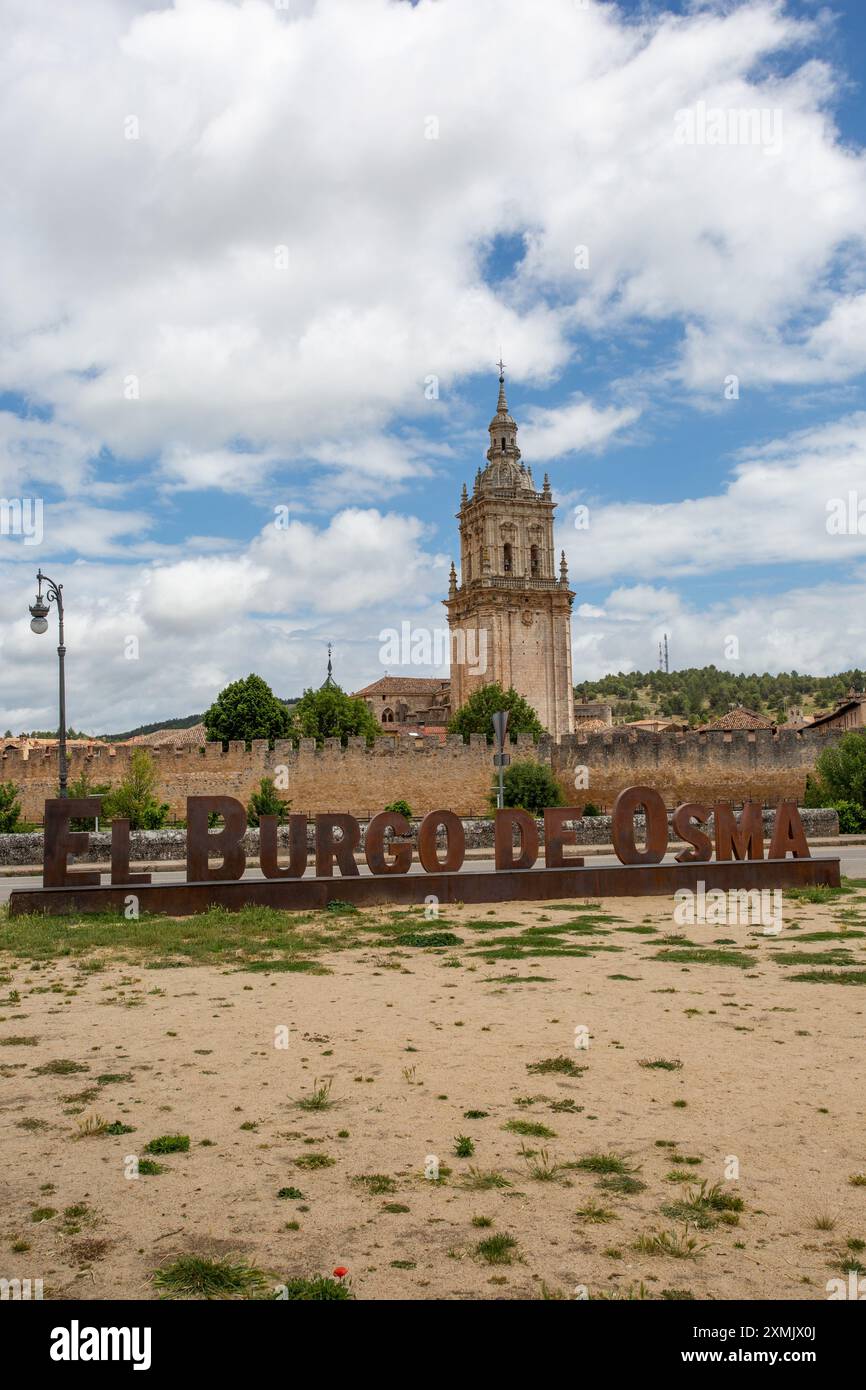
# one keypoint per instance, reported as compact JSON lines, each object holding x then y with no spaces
{"x":247,"y":709}
{"x":81,"y":787}
{"x":475,"y":717}
{"x":331,"y":713}
{"x":840,"y":771}
{"x":135,"y":797}
{"x":266,"y":802}
{"x":402,"y":808}
{"x":10,"y":808}
{"x":531,"y":786}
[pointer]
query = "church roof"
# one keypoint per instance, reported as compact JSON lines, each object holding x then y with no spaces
{"x":403,"y":685}
{"x":739,"y":718}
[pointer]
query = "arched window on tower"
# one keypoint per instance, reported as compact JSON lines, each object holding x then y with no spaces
{"x":533,"y":559}
{"x":387,"y":716}
{"x":503,"y":441}
{"x":506,"y":558}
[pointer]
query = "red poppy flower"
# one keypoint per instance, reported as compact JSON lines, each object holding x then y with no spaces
{"x":340,"y":1271}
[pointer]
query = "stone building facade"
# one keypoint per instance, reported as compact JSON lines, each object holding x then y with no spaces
{"x":510,"y":613}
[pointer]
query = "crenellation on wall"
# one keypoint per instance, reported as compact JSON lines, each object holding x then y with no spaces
{"x":764,"y":764}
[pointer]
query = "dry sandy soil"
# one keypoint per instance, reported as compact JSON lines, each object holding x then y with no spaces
{"x":772,"y":1075}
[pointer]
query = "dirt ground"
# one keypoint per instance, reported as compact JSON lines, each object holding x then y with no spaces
{"x":410,"y":1039}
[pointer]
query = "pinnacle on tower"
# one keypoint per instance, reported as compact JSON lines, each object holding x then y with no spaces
{"x":452,"y":580}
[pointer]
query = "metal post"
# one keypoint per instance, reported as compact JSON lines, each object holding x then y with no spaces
{"x":500,"y":725}
{"x":39,"y":613}
{"x":61,"y":654}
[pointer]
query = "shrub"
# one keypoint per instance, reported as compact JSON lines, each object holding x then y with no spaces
{"x":134,"y":797}
{"x":590,"y":809}
{"x":840,"y":771}
{"x":400,"y":808}
{"x":852,"y":818}
{"x":531,"y":786}
{"x":266,"y":802}
{"x":10,"y":808}
{"x":81,"y":787}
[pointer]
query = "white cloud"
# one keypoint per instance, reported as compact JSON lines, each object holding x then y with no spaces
{"x":820,"y":629}
{"x":158,"y":257}
{"x":774,"y":511}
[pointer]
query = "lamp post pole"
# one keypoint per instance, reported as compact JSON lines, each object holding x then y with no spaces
{"x":500,"y":758}
{"x":39,"y":623}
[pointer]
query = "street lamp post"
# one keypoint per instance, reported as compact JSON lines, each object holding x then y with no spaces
{"x":39,"y":623}
{"x":501,"y":759}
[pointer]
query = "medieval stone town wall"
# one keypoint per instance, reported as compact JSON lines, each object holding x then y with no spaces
{"x":431,"y":775}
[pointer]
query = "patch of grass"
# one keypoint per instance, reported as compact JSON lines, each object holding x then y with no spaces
{"x":61,"y":1067}
{"x":541,"y":1167}
{"x":314,"y":1160}
{"x":661,"y":1063}
{"x":482,"y":1221}
{"x":293,"y":966}
{"x":705,"y":955}
{"x":475,"y":1114}
{"x":705,"y":1206}
{"x":43,"y":1214}
{"x":497,"y":1250}
{"x":622,"y":1183}
{"x":320,"y":1099}
{"x":149,"y":1168}
{"x":824,"y":1222}
{"x":290,"y":1194}
{"x":857,"y":1180}
{"x":463,"y":1146}
{"x":677,"y":1246}
{"x":831,"y":977}
{"x":477,"y":1180}
{"x":533,"y":1131}
{"x":605,"y":1164}
{"x":595,"y":1215}
{"x":168,"y":1144}
{"x":91,"y":1127}
{"x":19,"y":1040}
{"x":375,"y":1183}
{"x":194,"y":1277}
{"x":430,"y":938}
{"x":556,"y":1066}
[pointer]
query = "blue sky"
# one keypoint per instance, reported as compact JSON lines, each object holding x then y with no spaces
{"x":233,"y":264}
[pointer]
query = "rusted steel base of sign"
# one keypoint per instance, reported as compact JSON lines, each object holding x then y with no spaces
{"x":530,"y":885}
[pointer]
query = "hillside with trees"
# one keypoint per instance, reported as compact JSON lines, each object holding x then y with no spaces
{"x":698,"y":694}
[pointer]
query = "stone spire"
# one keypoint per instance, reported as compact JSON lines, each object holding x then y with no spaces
{"x":563,"y":570}
{"x":504,"y":468}
{"x":329,"y":683}
{"x":452,"y":582}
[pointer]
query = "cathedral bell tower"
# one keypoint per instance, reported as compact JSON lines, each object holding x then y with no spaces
{"x":510,"y":616}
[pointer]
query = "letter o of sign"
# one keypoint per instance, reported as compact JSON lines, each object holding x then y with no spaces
{"x":624,"y":809}
{"x":455,"y":848}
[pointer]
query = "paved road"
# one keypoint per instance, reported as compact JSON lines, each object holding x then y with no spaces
{"x":853,"y":864}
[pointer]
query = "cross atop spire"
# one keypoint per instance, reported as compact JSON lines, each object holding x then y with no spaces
{"x":501,"y":365}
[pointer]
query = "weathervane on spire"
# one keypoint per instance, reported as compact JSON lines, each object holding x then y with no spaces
{"x":329,"y":682}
